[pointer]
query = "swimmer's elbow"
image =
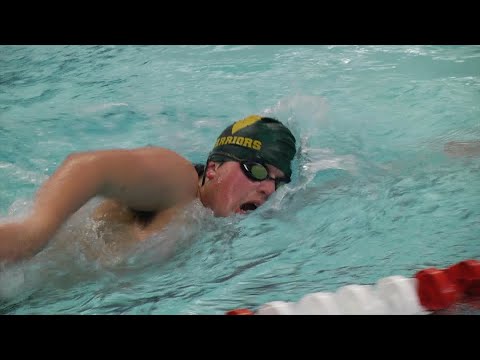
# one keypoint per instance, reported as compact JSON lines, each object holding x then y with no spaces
{"x":88,"y":169}
{"x":74,"y":157}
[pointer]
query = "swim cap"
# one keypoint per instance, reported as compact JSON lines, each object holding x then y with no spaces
{"x":256,"y":137}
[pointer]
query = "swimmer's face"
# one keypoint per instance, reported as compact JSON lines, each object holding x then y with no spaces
{"x":232,"y":192}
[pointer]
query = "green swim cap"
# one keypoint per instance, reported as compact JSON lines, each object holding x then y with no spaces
{"x":257,"y":137}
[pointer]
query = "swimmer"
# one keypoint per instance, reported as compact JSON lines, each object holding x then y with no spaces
{"x":143,"y":189}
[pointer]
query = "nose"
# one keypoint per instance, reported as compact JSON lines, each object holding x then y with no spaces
{"x":267,"y":187}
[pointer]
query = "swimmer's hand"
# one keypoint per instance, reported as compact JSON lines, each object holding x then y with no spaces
{"x":462,"y":148}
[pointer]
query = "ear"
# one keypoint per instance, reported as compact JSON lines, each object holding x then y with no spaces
{"x":211,"y":170}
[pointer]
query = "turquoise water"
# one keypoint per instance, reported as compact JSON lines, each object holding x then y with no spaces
{"x":373,"y":192}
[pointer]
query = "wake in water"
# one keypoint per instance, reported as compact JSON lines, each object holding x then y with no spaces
{"x":307,"y":115}
{"x":80,"y":253}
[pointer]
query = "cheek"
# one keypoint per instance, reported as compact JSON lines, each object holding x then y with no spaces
{"x":233,"y":188}
{"x":230,"y":186}
{"x":237,"y":183}
{"x":224,"y":203}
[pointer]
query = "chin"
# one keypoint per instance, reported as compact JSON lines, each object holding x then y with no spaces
{"x":223,"y":213}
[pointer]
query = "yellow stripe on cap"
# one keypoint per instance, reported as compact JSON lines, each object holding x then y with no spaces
{"x":240,"y":124}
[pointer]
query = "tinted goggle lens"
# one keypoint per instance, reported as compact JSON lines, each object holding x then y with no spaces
{"x":259,"y":172}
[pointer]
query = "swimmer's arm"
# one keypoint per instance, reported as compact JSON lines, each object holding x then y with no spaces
{"x":146,"y":179}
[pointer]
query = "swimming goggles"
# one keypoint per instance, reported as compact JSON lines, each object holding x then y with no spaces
{"x":258,"y":171}
{"x":254,"y":169}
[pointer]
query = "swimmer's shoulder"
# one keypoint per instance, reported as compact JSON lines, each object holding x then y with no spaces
{"x":177,"y":173}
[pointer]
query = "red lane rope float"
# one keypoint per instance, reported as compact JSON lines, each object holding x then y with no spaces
{"x":240,"y":312}
{"x":466,"y":276}
{"x":435,"y":289}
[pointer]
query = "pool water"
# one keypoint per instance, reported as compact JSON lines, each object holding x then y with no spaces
{"x":374,"y":193}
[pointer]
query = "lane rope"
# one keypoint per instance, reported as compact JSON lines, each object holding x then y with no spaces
{"x":429,"y":290}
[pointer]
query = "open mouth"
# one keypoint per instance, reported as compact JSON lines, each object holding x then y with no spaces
{"x":249,"y":206}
